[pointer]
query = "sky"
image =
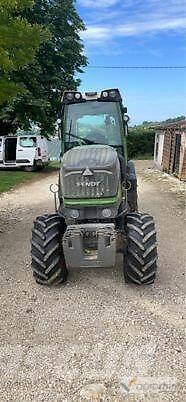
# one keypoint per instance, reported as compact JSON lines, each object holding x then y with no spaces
{"x":137,"y":33}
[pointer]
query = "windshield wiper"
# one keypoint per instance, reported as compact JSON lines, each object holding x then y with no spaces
{"x":69,"y":134}
{"x":80,"y":138}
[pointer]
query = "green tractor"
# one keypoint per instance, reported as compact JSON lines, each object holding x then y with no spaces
{"x":97,"y":213}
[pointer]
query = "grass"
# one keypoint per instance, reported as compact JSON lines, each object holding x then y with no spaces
{"x":143,"y":157}
{"x":53,"y":165}
{"x":11,"y":178}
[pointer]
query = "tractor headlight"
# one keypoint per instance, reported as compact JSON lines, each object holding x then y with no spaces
{"x":74,"y":213}
{"x":106,"y":213}
{"x":105,"y":94}
{"x":78,"y":95}
{"x":113,"y":94}
{"x":69,"y":96}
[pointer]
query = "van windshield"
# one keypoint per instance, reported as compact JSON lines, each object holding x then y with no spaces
{"x":93,"y":121}
{"x":28,"y":142}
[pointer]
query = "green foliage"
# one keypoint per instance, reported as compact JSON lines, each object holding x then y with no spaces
{"x":52,"y":71}
{"x":175,"y":119}
{"x":19,"y":41}
{"x":140,"y":142}
{"x":170,"y":120}
{"x":143,"y":157}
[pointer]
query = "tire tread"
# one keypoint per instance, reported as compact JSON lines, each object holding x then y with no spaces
{"x":48,"y":262}
{"x":140,"y":257}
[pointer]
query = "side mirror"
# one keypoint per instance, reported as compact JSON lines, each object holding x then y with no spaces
{"x":126,"y":118}
{"x":59,"y":128}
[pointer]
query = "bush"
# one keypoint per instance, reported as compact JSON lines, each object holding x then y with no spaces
{"x":140,"y":142}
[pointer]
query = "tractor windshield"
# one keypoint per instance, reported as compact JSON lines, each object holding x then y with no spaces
{"x":93,"y":122}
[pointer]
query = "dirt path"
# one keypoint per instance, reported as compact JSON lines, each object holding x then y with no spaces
{"x":55,"y":343}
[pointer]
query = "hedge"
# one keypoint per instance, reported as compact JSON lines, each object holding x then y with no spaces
{"x":140,"y":142}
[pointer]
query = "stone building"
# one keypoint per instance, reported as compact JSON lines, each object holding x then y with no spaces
{"x":169,"y":149}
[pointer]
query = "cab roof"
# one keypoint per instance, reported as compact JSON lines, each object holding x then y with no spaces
{"x":107,"y":95}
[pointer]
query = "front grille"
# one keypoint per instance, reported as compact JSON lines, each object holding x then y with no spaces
{"x":104,"y":172}
{"x":101,"y":184}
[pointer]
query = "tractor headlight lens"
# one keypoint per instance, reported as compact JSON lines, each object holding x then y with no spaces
{"x":112,"y":94}
{"x":70,"y":96}
{"x":106,"y":213}
{"x":77,"y":95}
{"x":74,"y":213}
{"x":105,"y":94}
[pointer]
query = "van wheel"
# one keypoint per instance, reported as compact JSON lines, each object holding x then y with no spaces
{"x":140,"y":256}
{"x":30,"y":168}
{"x":48,"y":261}
{"x":40,"y":167}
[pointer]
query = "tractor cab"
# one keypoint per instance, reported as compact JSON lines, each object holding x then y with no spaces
{"x":94,"y":118}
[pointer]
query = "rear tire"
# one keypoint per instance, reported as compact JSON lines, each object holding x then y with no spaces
{"x":140,"y":256}
{"x":48,"y":262}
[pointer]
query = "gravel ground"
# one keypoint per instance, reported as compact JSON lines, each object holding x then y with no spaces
{"x":95,"y":338}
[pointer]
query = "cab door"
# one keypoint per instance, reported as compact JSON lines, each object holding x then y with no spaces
{"x":1,"y":150}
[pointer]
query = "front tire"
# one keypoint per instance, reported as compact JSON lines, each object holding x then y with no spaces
{"x":48,"y":262}
{"x":32,"y":168}
{"x":140,"y":256}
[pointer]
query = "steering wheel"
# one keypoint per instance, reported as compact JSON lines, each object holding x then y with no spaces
{"x":97,"y":138}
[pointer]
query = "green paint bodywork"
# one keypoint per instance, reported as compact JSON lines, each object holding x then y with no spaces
{"x":69,"y":202}
{"x":93,"y":202}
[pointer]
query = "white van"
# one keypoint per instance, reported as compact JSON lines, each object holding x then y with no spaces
{"x":27,"y":151}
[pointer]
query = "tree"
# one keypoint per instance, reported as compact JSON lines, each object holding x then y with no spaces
{"x":19,"y":41}
{"x":53,"y":70}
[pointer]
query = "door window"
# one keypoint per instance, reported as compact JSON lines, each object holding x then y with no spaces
{"x":28,"y":142}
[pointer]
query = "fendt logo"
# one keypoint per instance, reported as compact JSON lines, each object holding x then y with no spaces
{"x":88,"y":183}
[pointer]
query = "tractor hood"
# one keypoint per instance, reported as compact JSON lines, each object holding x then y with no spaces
{"x":90,"y":171}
